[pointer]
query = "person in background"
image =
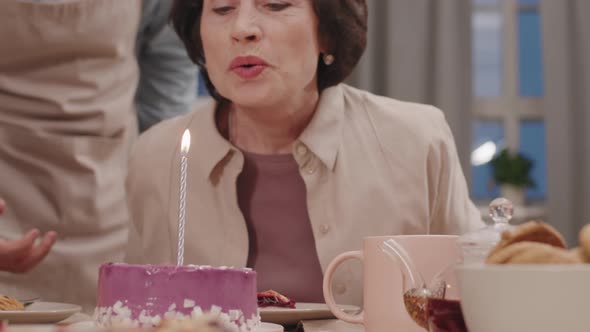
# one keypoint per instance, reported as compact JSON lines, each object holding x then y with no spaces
{"x":22,"y":255}
{"x":79,"y":79}
{"x":288,"y":167}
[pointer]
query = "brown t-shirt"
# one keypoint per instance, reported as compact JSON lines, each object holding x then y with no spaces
{"x":273,"y":199}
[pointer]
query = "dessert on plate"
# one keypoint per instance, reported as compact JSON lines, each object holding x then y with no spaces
{"x":147,"y":295}
{"x":271,"y":298}
{"x":9,"y":303}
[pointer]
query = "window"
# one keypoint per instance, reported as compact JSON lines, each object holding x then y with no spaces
{"x":508,"y":87}
{"x":201,"y":88}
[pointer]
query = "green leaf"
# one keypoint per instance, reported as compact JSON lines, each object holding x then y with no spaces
{"x":512,"y":168}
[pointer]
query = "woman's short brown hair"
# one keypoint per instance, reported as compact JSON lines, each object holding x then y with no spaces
{"x":342,"y":31}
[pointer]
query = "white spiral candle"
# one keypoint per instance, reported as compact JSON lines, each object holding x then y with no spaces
{"x":184,"y":147}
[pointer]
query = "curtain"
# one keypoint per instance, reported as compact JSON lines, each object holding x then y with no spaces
{"x":420,"y":51}
{"x":566,"y":49}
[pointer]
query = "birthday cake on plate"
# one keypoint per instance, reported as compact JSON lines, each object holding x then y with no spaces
{"x":146,"y":295}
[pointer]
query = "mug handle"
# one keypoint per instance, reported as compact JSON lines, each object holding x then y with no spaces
{"x":356,"y":319}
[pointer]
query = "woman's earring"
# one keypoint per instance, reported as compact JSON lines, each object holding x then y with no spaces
{"x":328,"y":59}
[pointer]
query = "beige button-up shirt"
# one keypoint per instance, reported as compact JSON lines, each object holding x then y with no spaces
{"x":371,"y":165}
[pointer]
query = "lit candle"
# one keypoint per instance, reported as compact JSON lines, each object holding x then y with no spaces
{"x":184,"y":147}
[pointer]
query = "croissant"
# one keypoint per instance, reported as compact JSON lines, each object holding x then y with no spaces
{"x":539,"y":243}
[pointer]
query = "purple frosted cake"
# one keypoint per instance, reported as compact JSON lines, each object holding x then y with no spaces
{"x":144,"y":295}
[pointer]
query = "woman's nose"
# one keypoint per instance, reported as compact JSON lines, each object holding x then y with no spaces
{"x":246,"y":26}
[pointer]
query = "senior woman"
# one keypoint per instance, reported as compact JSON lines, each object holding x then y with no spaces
{"x":287,"y":166}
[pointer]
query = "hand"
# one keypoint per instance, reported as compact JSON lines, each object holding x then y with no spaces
{"x":22,"y":255}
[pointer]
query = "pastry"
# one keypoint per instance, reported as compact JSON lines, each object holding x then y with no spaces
{"x":532,"y":231}
{"x":528,"y":252}
{"x":9,"y":303}
{"x":272,"y":298}
{"x":535,"y":231}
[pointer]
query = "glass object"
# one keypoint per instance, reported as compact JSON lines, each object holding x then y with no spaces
{"x":530,"y":62}
{"x":435,"y":307}
{"x":488,"y":140}
{"x":477,"y":245}
{"x":532,"y":145}
{"x":487,"y":53}
{"x":444,"y":314}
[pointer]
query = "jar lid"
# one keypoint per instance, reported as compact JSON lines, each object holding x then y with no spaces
{"x":476,"y":245}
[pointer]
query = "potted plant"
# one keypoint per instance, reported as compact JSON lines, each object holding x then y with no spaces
{"x":511,"y":171}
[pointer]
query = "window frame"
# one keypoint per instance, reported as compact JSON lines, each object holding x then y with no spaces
{"x":509,"y":108}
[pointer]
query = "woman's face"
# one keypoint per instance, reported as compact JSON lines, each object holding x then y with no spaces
{"x":260,"y":52}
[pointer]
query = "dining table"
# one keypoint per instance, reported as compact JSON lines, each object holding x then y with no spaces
{"x":81,"y":322}
{"x":328,"y":325}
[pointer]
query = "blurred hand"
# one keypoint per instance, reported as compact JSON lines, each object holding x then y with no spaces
{"x":22,"y":255}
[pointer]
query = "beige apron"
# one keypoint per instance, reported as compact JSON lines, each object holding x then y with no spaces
{"x":68,"y":76}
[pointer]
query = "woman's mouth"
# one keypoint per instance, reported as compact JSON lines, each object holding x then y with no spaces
{"x":248,"y":67}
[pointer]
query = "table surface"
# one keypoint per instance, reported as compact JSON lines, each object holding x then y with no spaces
{"x":330,"y":325}
{"x":327,"y":325}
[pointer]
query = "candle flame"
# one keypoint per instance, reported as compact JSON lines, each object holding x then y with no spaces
{"x":186,"y":142}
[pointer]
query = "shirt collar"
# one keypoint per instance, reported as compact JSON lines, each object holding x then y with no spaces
{"x":322,"y":136}
{"x":210,"y":147}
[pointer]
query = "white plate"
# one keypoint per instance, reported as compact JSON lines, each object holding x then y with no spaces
{"x":41,"y":313}
{"x":302,"y":311}
{"x":269,"y":327}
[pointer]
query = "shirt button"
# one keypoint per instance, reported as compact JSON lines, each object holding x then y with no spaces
{"x":310,"y":169}
{"x":340,"y":289}
{"x":324,"y":229}
{"x":301,"y":149}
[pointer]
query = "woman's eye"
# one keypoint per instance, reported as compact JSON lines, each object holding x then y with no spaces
{"x":277,"y":6}
{"x":222,"y":10}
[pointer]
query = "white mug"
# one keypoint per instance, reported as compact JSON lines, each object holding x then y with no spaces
{"x":384,"y":308}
